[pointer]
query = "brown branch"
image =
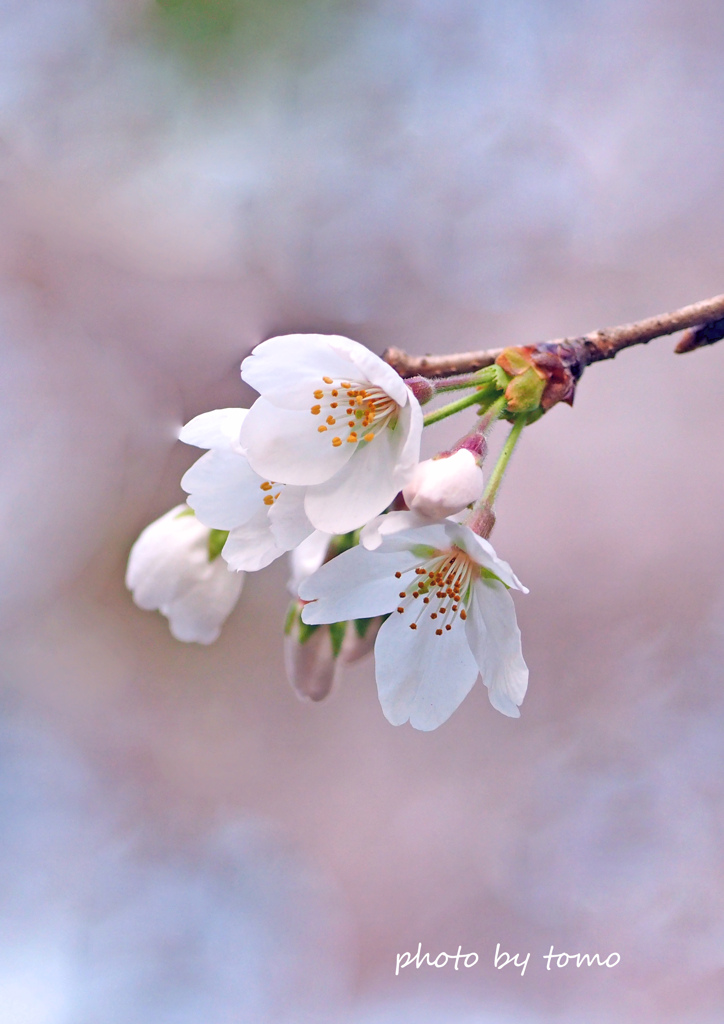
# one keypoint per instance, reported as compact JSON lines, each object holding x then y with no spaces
{"x":706,"y":317}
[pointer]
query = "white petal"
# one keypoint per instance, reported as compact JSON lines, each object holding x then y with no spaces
{"x":357,"y":584}
{"x":361,"y":490}
{"x":400,"y":530}
{"x":410,"y":424}
{"x":218,"y":428}
{"x":198,"y":615}
{"x":285,"y":445}
{"x":307,"y":557}
{"x":373,"y":369}
{"x":422,"y":677}
{"x":287,"y":518}
{"x":287,"y":369}
{"x":224,"y":490}
{"x":482,"y":551}
{"x":494,"y":638}
{"x":252,"y":546}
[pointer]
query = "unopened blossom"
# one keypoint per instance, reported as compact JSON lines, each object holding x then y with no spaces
{"x":264,"y":518}
{"x":332,"y":417}
{"x":174,"y":568}
{"x":313,"y":655}
{"x":452,"y":617}
{"x":440,"y":487}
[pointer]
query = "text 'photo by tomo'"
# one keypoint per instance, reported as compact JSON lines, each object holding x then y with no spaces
{"x":362,"y":604}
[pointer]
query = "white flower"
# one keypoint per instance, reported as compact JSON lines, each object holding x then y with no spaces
{"x":440,"y":487}
{"x":452,"y":617}
{"x":335,"y":419}
{"x":171,"y":568}
{"x":264,"y":518}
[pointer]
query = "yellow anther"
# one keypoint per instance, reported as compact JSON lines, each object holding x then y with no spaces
{"x":333,"y":405}
{"x":327,"y":380}
{"x":268,"y":500}
{"x":316,"y":409}
{"x":369,"y":437}
{"x":334,"y":394}
{"x":277,"y":495}
{"x":336,"y":441}
{"x":343,"y":384}
{"x":266,"y":486}
{"x":319,"y":394}
{"x":463,"y":614}
{"x":350,"y":423}
{"x":321,"y":429}
{"x":352,"y":437}
{"x":331,"y":420}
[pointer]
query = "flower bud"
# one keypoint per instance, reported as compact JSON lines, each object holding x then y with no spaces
{"x":360,"y":638}
{"x":441,"y":487}
{"x":311,"y":654}
{"x":421,"y":387}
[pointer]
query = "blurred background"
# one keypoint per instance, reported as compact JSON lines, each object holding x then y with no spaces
{"x":181,"y":840}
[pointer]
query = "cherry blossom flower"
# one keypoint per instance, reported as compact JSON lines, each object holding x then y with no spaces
{"x":264,"y":518}
{"x":440,"y":487}
{"x":452,"y":616}
{"x":335,"y":419}
{"x":174,"y":568}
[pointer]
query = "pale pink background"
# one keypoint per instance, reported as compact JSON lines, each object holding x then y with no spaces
{"x":181,"y":840}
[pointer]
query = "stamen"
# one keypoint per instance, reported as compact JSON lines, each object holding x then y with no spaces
{"x":398,"y":575}
{"x":336,"y":441}
{"x":315,"y":410}
{"x":268,"y":499}
{"x":413,"y":625}
{"x":368,"y":437}
{"x":319,"y":394}
{"x":352,"y":437}
{"x":321,"y":429}
{"x":331,"y":420}
{"x":266,"y":486}
{"x":328,"y":380}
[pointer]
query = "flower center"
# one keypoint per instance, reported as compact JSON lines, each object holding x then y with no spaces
{"x":359,"y":411}
{"x":440,"y":591}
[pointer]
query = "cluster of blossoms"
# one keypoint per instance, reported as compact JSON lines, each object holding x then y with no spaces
{"x":386,"y":550}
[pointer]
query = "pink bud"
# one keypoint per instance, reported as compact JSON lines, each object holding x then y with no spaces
{"x":443,"y":486}
{"x":356,"y":646}
{"x":310,"y":665}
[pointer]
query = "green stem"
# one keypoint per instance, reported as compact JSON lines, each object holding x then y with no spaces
{"x":501,"y":465}
{"x":449,"y":410}
{"x":492,"y":413}
{"x":467,"y":380}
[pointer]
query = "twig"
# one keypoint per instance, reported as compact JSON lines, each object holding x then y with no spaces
{"x":593,"y":347}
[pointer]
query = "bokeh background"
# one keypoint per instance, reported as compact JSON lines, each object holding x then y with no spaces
{"x":181,"y":840}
